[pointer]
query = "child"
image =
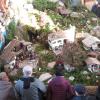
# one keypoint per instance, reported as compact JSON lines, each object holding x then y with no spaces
{"x":79,"y":92}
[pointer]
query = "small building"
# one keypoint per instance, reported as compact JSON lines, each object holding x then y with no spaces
{"x":91,"y":42}
{"x":18,"y":54}
{"x":96,"y":31}
{"x":56,"y":39}
{"x":93,"y":64}
{"x":13,"y":49}
{"x":8,"y":54}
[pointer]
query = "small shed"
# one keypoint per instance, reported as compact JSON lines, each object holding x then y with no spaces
{"x":14,"y":49}
{"x":56,"y":39}
{"x":93,"y":64}
{"x":91,"y":42}
{"x":8,"y":54}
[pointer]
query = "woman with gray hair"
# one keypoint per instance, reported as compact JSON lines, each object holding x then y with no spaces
{"x":28,"y":87}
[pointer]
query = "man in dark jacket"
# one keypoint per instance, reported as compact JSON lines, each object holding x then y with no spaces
{"x":6,"y":88}
{"x":59,"y":88}
{"x":98,"y":93}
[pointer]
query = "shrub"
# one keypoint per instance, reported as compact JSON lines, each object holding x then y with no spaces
{"x":11,"y":30}
{"x":73,"y":54}
{"x":44,"y":4}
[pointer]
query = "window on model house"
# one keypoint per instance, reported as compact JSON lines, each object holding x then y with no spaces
{"x":59,"y":41}
{"x":54,"y":42}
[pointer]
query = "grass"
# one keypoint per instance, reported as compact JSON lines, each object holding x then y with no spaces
{"x":43,"y":5}
{"x":89,"y":79}
{"x":80,"y":23}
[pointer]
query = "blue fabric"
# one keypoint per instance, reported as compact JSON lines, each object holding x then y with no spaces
{"x":79,"y":98}
{"x":1,"y":45}
{"x":96,"y":10}
{"x":80,"y":89}
{"x":2,"y":42}
{"x":4,"y":33}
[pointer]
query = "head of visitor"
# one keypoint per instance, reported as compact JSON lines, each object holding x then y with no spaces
{"x":80,"y":89}
{"x":27,"y":76}
{"x":59,"y":66}
{"x":27,"y":71}
{"x":59,"y":73}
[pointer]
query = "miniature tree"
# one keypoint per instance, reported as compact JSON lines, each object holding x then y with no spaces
{"x":73,"y":54}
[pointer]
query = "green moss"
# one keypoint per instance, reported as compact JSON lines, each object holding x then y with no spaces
{"x":48,"y":57}
{"x":11,"y":28}
{"x":39,"y":48}
{"x":81,"y":78}
{"x":44,"y":5}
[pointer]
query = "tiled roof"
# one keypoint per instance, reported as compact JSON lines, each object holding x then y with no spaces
{"x":56,"y":35}
{"x":7,"y":54}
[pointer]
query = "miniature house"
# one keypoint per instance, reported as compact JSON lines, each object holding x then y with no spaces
{"x":93,"y":64}
{"x":91,"y":42}
{"x":7,"y":54}
{"x":14,"y":49}
{"x":18,"y":54}
{"x":56,"y":39}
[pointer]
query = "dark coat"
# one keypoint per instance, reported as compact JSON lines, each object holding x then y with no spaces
{"x":91,"y":97}
{"x":98,"y":93}
{"x":79,"y":98}
{"x":6,"y":91}
{"x":59,"y":89}
{"x":96,"y":10}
